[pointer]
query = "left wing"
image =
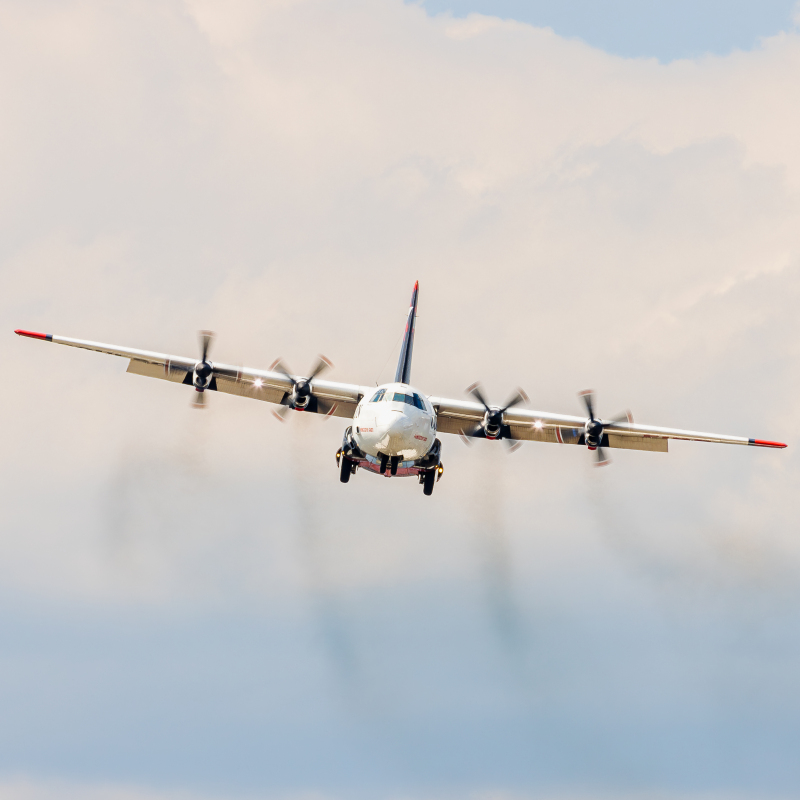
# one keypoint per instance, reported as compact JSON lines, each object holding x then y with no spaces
{"x":455,"y":416}
{"x":258,"y":384}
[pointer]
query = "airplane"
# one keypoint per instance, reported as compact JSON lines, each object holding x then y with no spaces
{"x":395,"y":427}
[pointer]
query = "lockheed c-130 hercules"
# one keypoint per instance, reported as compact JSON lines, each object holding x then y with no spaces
{"x":394,"y":426}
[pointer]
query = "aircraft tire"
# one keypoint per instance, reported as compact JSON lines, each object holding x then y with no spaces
{"x":345,"y":468}
{"x":428,"y":482}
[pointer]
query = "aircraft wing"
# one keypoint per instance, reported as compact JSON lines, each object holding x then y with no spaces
{"x":455,"y":416}
{"x":259,"y":384}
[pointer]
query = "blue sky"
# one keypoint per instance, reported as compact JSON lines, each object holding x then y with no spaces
{"x":664,"y":29}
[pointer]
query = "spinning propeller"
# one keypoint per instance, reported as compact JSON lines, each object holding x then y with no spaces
{"x":594,"y":428}
{"x":493,"y":425}
{"x":203,"y":370}
{"x":302,"y":397}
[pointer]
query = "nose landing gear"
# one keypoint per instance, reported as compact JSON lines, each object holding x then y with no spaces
{"x":390,"y":462}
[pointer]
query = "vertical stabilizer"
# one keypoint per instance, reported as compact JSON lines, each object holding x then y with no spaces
{"x":404,"y":364}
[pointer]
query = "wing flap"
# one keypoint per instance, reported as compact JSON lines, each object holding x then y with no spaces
{"x":527,"y":433}
{"x":164,"y":371}
{"x":445,"y":424}
{"x":242,"y":388}
{"x":654,"y":444}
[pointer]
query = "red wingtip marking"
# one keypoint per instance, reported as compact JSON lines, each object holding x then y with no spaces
{"x":765,"y":443}
{"x":31,"y":334}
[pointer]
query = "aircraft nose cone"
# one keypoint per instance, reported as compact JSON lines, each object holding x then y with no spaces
{"x":395,"y":428}
{"x":393,"y":421}
{"x":399,"y":425}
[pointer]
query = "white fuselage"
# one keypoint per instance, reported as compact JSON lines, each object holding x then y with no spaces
{"x":392,"y":426}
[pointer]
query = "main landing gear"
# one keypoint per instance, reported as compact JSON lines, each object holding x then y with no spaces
{"x":347,"y":466}
{"x":429,"y":477}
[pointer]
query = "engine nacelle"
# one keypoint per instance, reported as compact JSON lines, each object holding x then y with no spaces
{"x":301,"y":395}
{"x":493,"y":423}
{"x":202,"y":375}
{"x":593,"y":431}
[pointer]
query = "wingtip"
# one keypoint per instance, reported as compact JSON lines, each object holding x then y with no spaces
{"x":34,"y":334}
{"x":766,"y":443}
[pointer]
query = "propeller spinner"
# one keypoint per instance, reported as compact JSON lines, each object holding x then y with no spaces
{"x":493,"y":425}
{"x":302,"y":397}
{"x":594,"y":428}
{"x":203,"y":370}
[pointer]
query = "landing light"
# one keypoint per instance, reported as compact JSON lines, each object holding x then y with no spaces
{"x":538,"y":424}
{"x":258,"y":383}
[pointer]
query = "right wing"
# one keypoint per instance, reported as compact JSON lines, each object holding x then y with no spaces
{"x":258,"y":384}
{"x":455,"y":416}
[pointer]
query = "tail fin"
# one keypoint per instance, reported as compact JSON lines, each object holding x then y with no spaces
{"x":404,"y":364}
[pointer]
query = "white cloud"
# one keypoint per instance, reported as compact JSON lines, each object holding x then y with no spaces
{"x":281,"y":172}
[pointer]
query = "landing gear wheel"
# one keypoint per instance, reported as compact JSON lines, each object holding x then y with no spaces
{"x":428,"y":482}
{"x":345,"y":468}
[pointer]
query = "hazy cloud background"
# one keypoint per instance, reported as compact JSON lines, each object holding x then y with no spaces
{"x":192,"y":603}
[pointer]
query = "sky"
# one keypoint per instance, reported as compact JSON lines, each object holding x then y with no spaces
{"x":193,"y":607}
{"x":662,"y":29}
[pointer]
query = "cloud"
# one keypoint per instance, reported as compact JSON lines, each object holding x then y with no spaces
{"x":281,"y":172}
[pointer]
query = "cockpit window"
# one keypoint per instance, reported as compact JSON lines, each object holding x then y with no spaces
{"x":398,"y":397}
{"x":410,"y":399}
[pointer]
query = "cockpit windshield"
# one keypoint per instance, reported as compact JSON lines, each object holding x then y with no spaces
{"x":398,"y":397}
